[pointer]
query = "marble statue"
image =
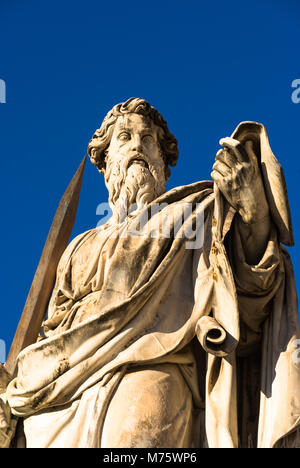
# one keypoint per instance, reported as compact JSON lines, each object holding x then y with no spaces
{"x":174,"y":327}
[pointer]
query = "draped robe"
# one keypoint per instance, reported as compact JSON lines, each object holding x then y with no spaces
{"x":122,"y":303}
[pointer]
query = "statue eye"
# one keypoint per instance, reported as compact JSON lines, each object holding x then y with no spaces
{"x":147,"y":138}
{"x":124,"y":136}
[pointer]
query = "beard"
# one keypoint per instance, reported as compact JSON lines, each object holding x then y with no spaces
{"x":133,"y":182}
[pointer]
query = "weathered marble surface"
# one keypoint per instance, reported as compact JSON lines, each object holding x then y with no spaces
{"x":149,"y":343}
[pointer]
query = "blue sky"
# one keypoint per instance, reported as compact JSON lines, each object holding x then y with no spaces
{"x":206,"y":66}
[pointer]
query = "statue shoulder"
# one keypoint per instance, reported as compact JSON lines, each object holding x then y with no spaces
{"x":73,"y":246}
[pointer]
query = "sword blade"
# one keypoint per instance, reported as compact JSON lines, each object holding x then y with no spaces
{"x":44,"y":278}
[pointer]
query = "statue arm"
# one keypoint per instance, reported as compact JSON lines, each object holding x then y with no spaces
{"x":256,"y":283}
{"x":255,"y":238}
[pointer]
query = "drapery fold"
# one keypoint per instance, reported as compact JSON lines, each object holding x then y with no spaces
{"x":137,"y":303}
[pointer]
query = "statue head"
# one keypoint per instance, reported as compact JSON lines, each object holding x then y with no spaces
{"x":134,"y":149}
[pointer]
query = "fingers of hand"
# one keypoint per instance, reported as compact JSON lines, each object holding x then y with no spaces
{"x":226,"y":157}
{"x":217,"y":177}
{"x":222,"y":168}
{"x":235,"y":148}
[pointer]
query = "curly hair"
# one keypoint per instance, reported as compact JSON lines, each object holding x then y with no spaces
{"x":100,"y":141}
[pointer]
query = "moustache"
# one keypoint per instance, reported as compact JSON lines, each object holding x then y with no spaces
{"x":137,"y":158}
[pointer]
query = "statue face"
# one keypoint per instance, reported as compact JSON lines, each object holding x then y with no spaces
{"x":135,"y":138}
{"x":135,"y":169}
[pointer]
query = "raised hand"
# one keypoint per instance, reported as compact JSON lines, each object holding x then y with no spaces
{"x":237,"y":175}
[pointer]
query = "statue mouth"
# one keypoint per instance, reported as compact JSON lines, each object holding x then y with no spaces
{"x":140,"y":161}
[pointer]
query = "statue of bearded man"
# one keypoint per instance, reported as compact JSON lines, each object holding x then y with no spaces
{"x":180,"y":333}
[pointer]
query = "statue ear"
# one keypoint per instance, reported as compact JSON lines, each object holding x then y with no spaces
{"x":273,"y":177}
{"x":104,"y":160}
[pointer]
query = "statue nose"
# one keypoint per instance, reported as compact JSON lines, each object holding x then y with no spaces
{"x":137,"y":144}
